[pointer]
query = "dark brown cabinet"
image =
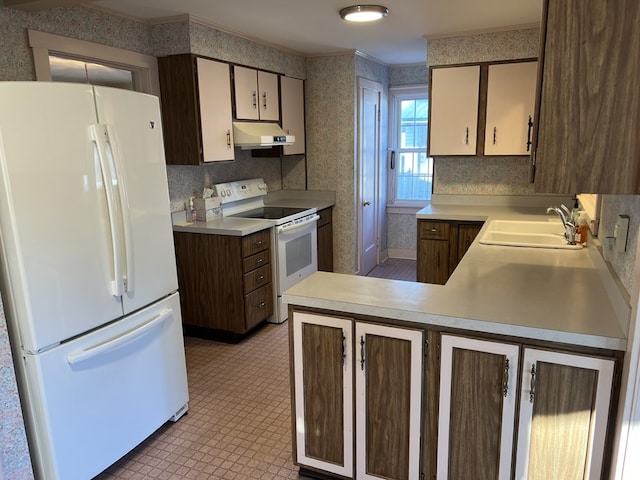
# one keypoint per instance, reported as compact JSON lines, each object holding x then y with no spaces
{"x":196,"y":110}
{"x":441,"y":246}
{"x":325,"y":240}
{"x":588,"y":100}
{"x":225,"y":282}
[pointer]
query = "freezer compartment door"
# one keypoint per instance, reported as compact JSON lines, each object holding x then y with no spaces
{"x":132,"y":127}
{"x":95,"y":398}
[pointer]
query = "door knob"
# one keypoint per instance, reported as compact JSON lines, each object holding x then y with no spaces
{"x":366,"y":203}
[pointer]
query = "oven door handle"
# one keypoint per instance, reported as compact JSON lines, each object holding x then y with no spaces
{"x":294,"y":226}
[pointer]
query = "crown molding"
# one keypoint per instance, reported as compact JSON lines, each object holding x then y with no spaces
{"x":470,"y":33}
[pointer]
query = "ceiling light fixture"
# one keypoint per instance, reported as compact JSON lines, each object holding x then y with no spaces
{"x":363,"y":13}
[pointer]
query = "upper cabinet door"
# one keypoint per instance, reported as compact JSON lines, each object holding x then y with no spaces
{"x":269,"y":98}
{"x":256,"y":94}
{"x":587,"y":138}
{"x":196,"y":109}
{"x":214,"y":92}
{"x":245,"y":81}
{"x":453,"y":122}
{"x":510,"y":105}
{"x":293,"y":113}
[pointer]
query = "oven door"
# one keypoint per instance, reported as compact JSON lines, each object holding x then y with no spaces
{"x":297,"y":252}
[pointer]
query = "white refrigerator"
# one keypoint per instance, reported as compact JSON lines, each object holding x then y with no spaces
{"x":88,"y":274}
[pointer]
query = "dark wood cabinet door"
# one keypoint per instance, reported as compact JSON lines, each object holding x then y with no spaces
{"x":467,"y":232}
{"x":588,"y":122}
{"x":433,"y":261}
{"x":388,"y":410}
{"x":477,"y":408}
{"x":325,"y":241}
{"x":323,"y":392}
{"x":563,"y":393}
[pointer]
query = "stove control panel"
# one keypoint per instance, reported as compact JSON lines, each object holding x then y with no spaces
{"x":241,"y":190}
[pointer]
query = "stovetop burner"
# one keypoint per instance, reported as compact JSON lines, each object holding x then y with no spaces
{"x":270,"y":213}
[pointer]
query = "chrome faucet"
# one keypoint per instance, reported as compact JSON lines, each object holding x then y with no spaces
{"x":567,"y":221}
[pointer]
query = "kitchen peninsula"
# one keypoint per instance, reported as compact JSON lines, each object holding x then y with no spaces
{"x":518,"y":321}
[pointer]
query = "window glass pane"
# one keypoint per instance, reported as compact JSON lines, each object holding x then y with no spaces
{"x":413,"y":172}
{"x":77,"y":71}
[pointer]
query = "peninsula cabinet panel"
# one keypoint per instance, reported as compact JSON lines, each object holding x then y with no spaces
{"x":564,"y":401}
{"x":478,"y":393}
{"x":453,"y":118}
{"x":563,"y":393}
{"x":388,"y":402}
{"x":196,"y":110}
{"x":387,"y":389}
{"x":323,"y":392}
{"x":588,"y":122}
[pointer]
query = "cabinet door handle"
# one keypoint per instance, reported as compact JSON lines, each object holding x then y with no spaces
{"x":438,"y":260}
{"x":264,"y":100}
{"x":495,"y":134}
{"x":255,"y":99}
{"x":529,"y":130}
{"x":505,"y":380}
{"x":362,"y":353}
{"x":532,"y":392}
{"x":466,"y":137}
{"x":228,"y":139}
{"x":344,"y":350}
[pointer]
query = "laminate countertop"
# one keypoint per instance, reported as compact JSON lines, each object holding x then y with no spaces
{"x":235,"y":226}
{"x":565,"y":296}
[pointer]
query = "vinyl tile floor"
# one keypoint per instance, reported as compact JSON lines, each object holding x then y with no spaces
{"x":239,"y":421}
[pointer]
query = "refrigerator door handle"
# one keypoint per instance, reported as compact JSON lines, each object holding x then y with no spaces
{"x":99,"y":136}
{"x":120,"y":340}
{"x":125,"y":219}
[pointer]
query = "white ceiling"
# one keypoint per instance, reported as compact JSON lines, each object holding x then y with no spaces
{"x":313,"y":27}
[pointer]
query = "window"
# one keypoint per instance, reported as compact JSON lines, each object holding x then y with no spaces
{"x":411,"y":174}
{"x":60,"y":58}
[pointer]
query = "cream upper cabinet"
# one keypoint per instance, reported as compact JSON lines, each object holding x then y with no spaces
{"x":256,"y":94}
{"x":214,"y":93}
{"x":511,"y":91}
{"x":453,"y":122}
{"x":197,"y":111}
{"x":292,"y":103}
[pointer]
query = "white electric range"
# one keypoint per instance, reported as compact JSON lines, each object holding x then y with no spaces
{"x":293,"y":238}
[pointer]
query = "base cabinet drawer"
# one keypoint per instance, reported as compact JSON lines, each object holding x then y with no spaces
{"x":258,"y":306}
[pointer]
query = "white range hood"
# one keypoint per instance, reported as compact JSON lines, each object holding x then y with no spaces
{"x":250,"y":135}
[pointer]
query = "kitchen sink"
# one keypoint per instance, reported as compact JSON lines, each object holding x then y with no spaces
{"x":522,"y":233}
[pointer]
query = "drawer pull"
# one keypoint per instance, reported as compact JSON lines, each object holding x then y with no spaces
{"x":262,"y":305}
{"x":261,"y":277}
{"x":258,"y":243}
{"x":260,"y":260}
{"x":434,"y":229}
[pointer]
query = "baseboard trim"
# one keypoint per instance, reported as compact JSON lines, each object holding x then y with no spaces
{"x":402,"y":253}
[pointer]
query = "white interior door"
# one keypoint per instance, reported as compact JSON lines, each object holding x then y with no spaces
{"x":368,"y":166}
{"x":134,"y":126}
{"x":55,"y":232}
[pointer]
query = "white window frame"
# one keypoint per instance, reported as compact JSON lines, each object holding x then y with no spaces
{"x":144,"y":68}
{"x":395,"y":95}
